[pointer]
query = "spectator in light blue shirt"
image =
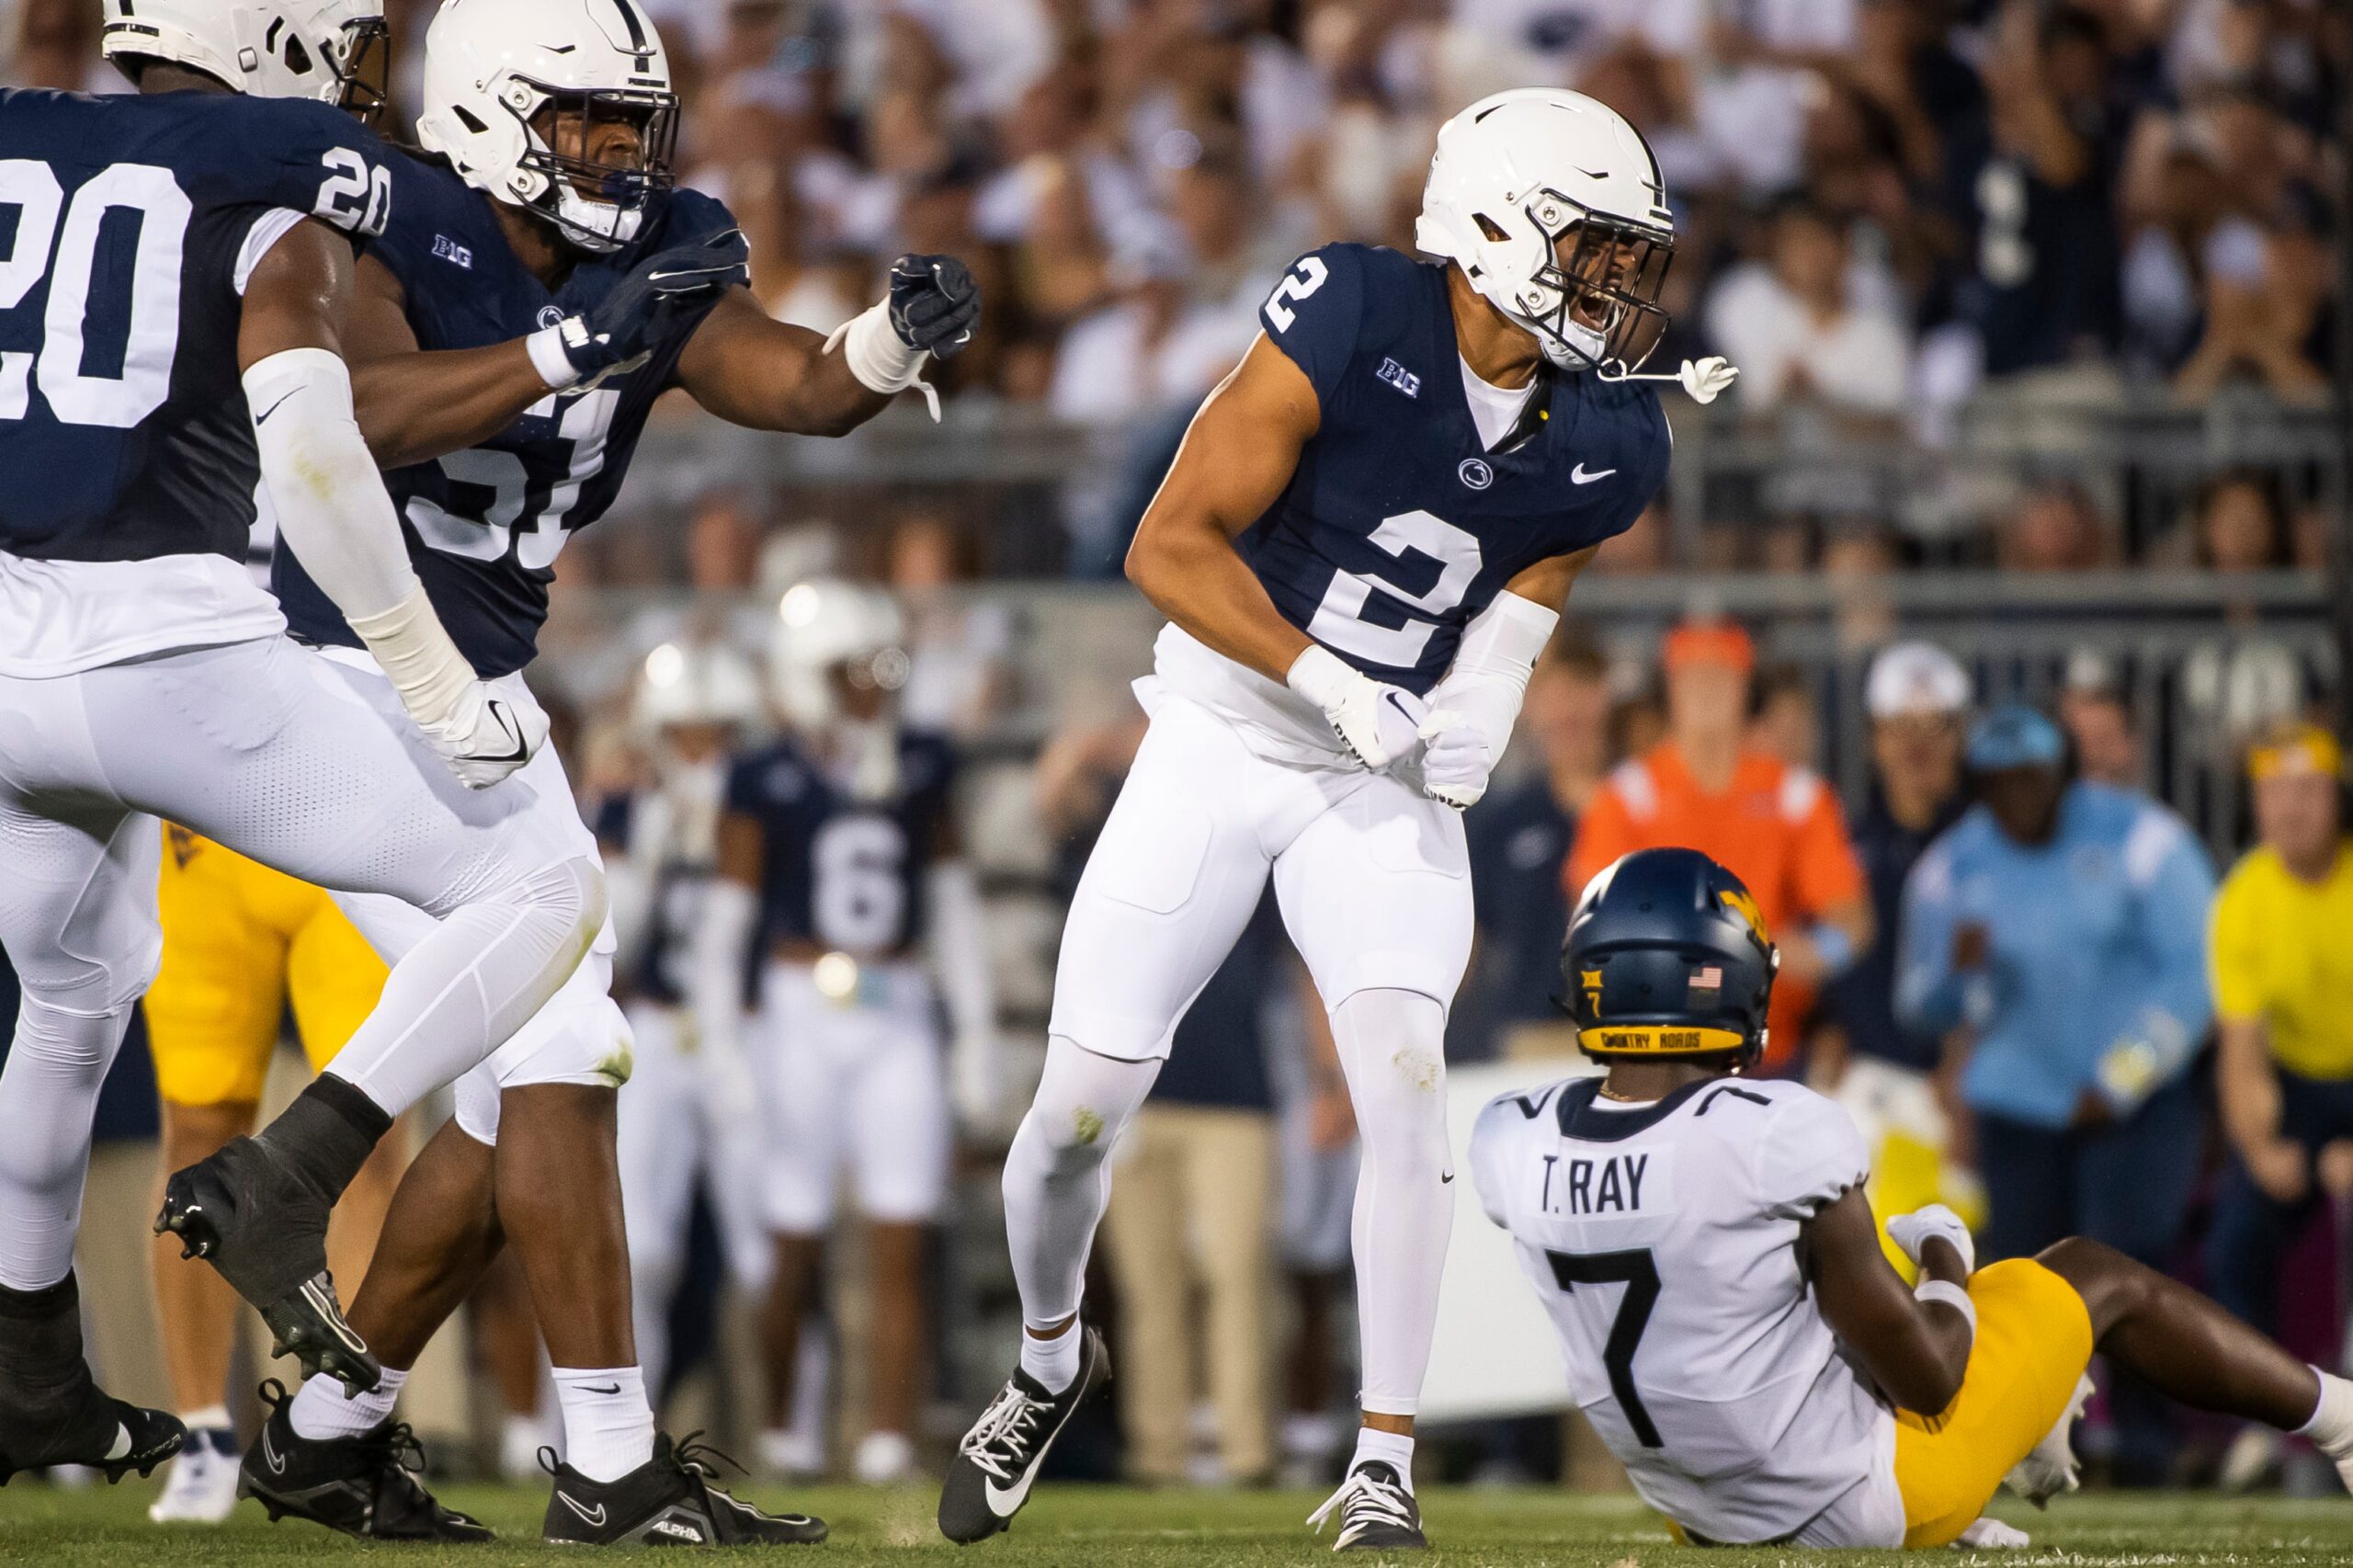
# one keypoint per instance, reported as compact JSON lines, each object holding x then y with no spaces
{"x":2061,"y":925}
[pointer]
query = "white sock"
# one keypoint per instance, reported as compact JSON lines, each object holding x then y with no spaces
{"x":608,"y":1426}
{"x":1053,"y":1362}
{"x":458,"y":994}
{"x":1056,"y":1183}
{"x":1391,"y":1049}
{"x":49,"y":1091}
{"x":212,"y":1418}
{"x":2331,"y":1428}
{"x":1392,"y":1449}
{"x":321,"y":1411}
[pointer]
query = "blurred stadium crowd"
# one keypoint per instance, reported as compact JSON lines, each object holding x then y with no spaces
{"x":2096,"y":220}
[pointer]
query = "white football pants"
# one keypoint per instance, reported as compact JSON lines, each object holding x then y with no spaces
{"x":281,"y":755}
{"x":1374,"y":884}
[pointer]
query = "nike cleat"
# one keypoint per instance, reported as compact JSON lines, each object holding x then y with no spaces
{"x":666,"y":1501}
{"x":364,"y":1486}
{"x":2050,"y":1467}
{"x":265,"y":1229}
{"x":1377,"y":1512}
{"x":51,"y":1411}
{"x":989,"y":1479}
{"x":201,"y":1486}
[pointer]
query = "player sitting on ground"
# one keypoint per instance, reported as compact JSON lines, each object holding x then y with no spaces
{"x":1732,"y":1330}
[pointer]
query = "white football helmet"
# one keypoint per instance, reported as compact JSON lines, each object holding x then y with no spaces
{"x":1552,"y":205}
{"x":499,"y":72}
{"x":701,"y":683}
{"x":333,"y":50}
{"x":831,"y":624}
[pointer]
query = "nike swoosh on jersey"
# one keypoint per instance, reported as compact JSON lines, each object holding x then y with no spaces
{"x":1577,"y":475}
{"x":594,"y":1517}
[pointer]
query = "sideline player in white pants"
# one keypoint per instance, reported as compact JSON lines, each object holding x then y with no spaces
{"x":144,"y":674}
{"x":840,"y":874}
{"x":1361,"y":546}
{"x":688,"y":1113}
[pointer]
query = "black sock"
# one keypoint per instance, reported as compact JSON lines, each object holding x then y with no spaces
{"x":40,"y":1341}
{"x":326,"y":1135}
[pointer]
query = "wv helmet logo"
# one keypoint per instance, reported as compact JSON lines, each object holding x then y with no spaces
{"x":1475,"y":474}
{"x":1742,"y":903}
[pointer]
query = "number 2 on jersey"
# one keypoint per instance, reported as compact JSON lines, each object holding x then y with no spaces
{"x":1297,"y":283}
{"x":1634,"y":1270}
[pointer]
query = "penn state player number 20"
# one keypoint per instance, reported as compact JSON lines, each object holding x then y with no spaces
{"x":152,"y":341}
{"x":1635,"y":1270}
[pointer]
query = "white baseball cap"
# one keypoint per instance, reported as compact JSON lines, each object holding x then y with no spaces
{"x":1914,"y":677}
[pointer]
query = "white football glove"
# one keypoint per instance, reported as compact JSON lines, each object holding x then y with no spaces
{"x":485,"y":736}
{"x":1914,"y":1230}
{"x":1456,"y":758}
{"x":1378,"y":723}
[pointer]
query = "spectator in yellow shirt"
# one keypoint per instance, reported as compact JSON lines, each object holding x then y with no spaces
{"x":2283,"y":975}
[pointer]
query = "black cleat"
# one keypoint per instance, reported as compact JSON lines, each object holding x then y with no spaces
{"x":989,"y":1479}
{"x":364,"y":1486}
{"x":666,"y":1501}
{"x":51,"y":1411}
{"x":264,"y":1229}
{"x":1377,"y":1513}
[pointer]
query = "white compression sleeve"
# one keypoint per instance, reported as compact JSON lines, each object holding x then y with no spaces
{"x":1489,"y":675}
{"x":872,"y":349}
{"x":335,"y":515}
{"x":330,"y":502}
{"x":960,"y":957}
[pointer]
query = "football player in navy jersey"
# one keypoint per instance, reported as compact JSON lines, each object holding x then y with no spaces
{"x":1361,"y":546}
{"x":541,"y":285}
{"x":840,"y":875}
{"x":173,"y":310}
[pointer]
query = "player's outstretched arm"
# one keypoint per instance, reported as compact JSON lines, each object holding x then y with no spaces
{"x":767,"y":375}
{"x":1475,"y":709}
{"x":1915,"y":1350}
{"x":334,"y":512}
{"x":1239,"y":453}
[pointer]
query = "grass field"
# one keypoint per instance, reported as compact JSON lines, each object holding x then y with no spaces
{"x":1081,"y":1526}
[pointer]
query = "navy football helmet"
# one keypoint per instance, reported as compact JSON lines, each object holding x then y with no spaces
{"x":1667,"y":957}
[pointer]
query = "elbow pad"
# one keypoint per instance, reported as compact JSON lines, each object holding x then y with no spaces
{"x":1489,"y":675}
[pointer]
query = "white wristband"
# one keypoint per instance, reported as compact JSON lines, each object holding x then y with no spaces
{"x":1951,"y":1295}
{"x":548,"y":358}
{"x":1321,"y":676}
{"x":872,"y":349}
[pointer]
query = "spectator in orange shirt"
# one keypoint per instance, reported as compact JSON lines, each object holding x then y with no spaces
{"x":1775,"y":825}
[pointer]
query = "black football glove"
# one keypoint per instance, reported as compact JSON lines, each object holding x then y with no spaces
{"x":651,"y":298}
{"x":934,"y":304}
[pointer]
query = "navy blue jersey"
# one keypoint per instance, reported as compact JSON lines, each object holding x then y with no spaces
{"x":1398,"y":526}
{"x":484,"y":525}
{"x":843,"y":873}
{"x":124,"y":433}
{"x":662,"y":969}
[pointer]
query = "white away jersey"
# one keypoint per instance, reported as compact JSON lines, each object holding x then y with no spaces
{"x":1662,"y":1240}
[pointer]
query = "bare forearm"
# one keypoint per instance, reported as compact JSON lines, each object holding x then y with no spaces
{"x":414,"y":407}
{"x":1195,"y":577}
{"x":2248,"y":1086}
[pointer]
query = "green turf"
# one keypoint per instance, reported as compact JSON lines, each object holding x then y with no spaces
{"x":1084,"y":1526}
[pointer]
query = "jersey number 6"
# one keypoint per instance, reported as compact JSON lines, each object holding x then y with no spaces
{"x":1634,"y":1270}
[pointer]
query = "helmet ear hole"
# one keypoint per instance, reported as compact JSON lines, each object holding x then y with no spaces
{"x":298,"y":59}
{"x":1489,"y":227}
{"x":468,"y":118}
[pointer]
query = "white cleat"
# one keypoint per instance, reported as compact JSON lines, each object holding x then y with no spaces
{"x":2049,"y":1470}
{"x":203,"y":1486}
{"x":1992,"y":1534}
{"x":519,"y":1442}
{"x":792,"y":1455}
{"x":2252,"y":1455}
{"x":885,"y":1458}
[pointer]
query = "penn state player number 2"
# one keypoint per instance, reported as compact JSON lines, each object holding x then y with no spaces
{"x":1339,"y":620}
{"x":151,"y":340}
{"x":1636,"y":1270}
